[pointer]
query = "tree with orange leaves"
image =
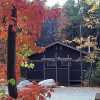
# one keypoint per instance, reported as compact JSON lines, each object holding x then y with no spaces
{"x":29,"y":24}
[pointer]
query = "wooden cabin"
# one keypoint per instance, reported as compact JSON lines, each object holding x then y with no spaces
{"x":59,"y":61}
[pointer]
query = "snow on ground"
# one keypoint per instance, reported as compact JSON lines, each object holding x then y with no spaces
{"x":74,"y":93}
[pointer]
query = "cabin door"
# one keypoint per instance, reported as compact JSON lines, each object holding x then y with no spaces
{"x":57,"y":70}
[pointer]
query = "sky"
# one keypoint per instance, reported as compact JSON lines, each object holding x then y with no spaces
{"x":51,"y":3}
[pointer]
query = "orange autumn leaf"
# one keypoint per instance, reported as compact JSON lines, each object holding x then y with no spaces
{"x":3,"y":35}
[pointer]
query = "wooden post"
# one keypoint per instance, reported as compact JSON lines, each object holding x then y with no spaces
{"x":11,"y":63}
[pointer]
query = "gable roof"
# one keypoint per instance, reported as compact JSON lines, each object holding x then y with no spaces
{"x":54,"y":43}
{"x":66,"y":45}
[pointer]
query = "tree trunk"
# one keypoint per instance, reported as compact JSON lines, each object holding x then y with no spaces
{"x":11,"y":63}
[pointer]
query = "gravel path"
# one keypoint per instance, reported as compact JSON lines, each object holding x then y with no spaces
{"x":74,"y":93}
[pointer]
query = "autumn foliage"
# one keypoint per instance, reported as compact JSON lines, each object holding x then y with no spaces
{"x":29,"y":23}
{"x":33,"y":92}
{"x":30,"y":19}
{"x":3,"y":71}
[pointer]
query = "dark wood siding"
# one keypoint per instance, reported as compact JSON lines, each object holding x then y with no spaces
{"x":56,"y":66}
